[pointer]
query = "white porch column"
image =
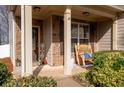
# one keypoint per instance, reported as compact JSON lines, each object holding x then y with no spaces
{"x":67,"y":42}
{"x":26,"y":40}
{"x":12,"y":38}
{"x":114,"y":35}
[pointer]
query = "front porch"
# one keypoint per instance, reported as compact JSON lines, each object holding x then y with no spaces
{"x":57,"y":72}
{"x":57,"y":26}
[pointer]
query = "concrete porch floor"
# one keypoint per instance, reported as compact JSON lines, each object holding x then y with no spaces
{"x":56,"y":72}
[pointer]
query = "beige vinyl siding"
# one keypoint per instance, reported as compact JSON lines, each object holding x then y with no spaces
{"x":47,"y":38}
{"x":120,"y":32}
{"x":104,"y":35}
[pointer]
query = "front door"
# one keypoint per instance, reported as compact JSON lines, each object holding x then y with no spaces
{"x":35,"y":43}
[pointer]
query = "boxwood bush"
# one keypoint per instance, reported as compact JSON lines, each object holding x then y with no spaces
{"x":108,"y":69}
{"x":31,"y":81}
{"x":3,"y":73}
{"x":97,"y":54}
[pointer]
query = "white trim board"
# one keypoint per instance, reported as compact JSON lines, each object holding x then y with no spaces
{"x":4,"y":51}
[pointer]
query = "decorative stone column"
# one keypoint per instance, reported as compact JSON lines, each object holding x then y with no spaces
{"x":68,"y":65}
{"x":26,"y":40}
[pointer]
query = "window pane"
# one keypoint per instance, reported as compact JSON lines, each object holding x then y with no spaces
{"x":74,"y":35}
{"x":73,"y":42}
{"x":74,"y":30}
{"x":81,"y":31}
{"x":86,"y":31}
{"x":84,"y":41}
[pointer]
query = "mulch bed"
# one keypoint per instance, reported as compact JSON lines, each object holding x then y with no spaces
{"x":8,"y":63}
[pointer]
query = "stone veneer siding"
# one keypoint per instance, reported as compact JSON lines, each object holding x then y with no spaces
{"x":57,"y":40}
{"x":18,"y":34}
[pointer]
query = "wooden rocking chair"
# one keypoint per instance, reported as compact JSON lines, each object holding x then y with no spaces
{"x":80,"y":50}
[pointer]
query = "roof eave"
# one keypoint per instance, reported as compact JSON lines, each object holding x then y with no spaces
{"x":116,"y":7}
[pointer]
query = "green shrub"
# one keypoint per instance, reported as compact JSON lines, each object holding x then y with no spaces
{"x":83,"y":76}
{"x":97,"y":54}
{"x":3,"y":73}
{"x":10,"y":83}
{"x":31,"y":81}
{"x":83,"y":79}
{"x":108,"y":69}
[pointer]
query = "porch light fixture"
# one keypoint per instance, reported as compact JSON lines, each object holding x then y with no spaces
{"x":86,"y":13}
{"x":36,"y":9}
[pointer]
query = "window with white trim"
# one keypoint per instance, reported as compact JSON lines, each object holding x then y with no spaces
{"x":80,"y":33}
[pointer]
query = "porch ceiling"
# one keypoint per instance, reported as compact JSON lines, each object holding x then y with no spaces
{"x":97,"y":13}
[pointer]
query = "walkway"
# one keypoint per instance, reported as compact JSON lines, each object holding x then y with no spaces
{"x":67,"y":82}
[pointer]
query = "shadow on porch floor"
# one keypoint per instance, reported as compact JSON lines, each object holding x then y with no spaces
{"x":56,"y":72}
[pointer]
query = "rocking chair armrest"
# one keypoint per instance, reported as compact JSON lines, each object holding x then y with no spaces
{"x":82,"y":53}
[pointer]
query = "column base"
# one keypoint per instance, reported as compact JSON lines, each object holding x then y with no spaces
{"x":67,"y":71}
